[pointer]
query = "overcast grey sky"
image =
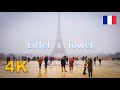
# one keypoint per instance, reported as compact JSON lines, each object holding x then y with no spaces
{"x":18,"y":28}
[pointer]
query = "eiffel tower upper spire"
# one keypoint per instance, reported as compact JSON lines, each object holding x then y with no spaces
{"x":59,"y":37}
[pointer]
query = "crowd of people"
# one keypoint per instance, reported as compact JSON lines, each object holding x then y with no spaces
{"x":88,"y":62}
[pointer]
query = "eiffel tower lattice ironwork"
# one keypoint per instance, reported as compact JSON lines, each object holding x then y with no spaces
{"x":58,"y":51}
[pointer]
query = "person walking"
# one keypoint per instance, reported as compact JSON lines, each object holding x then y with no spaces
{"x":90,"y":67}
{"x":100,"y":62}
{"x":28,"y":59}
{"x":40,"y":62}
{"x":8,"y":60}
{"x":85,"y":66}
{"x":95,"y":60}
{"x":51,"y":60}
{"x":71,"y":62}
{"x":46,"y":61}
{"x":63,"y":63}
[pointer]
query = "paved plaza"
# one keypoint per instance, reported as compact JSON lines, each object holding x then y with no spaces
{"x":108,"y":69}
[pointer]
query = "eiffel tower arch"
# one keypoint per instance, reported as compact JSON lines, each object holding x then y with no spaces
{"x":58,"y":51}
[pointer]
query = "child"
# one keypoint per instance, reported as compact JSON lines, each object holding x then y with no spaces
{"x":85,"y":65}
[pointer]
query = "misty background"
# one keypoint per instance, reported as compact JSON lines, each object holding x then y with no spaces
{"x":18,"y":28}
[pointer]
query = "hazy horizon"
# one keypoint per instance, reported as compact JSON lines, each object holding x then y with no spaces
{"x":19,"y":28}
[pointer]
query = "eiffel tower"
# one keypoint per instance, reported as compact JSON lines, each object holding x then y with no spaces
{"x":58,"y":51}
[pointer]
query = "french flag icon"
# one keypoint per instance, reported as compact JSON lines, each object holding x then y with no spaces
{"x":109,"y":20}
